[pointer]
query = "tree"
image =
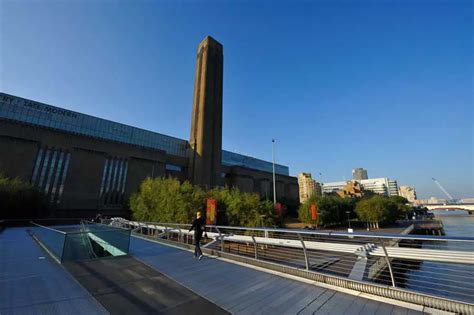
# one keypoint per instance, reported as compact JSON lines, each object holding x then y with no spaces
{"x":331,"y":210}
{"x":244,"y":209}
{"x":20,"y":200}
{"x":403,"y":207}
{"x":377,"y":210}
{"x":166,"y":200}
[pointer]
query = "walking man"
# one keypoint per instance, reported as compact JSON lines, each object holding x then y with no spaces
{"x":199,"y":227}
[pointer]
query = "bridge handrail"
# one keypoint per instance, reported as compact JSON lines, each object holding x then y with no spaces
{"x":322,"y":233}
{"x":360,"y":256}
{"x":356,"y":259}
{"x":48,"y":228}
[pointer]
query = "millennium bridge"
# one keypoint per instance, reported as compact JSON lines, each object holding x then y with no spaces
{"x":469,"y":207}
{"x":120,"y":266}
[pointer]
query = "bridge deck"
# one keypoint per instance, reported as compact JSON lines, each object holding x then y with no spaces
{"x":242,"y":290}
{"x":33,"y":283}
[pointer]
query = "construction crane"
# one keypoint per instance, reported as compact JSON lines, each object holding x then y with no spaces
{"x":450,"y":198}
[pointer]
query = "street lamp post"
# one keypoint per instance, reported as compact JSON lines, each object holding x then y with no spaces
{"x":274,"y":183}
{"x":321,"y":184}
{"x":348,"y":220}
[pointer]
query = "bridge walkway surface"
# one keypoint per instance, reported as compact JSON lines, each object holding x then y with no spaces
{"x":246,"y":290}
{"x":124,"y":285}
{"x":33,"y":283}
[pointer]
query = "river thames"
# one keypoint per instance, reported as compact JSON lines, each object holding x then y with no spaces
{"x":450,"y":280}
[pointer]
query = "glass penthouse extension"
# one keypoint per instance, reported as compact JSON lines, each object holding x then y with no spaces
{"x":235,"y":159}
{"x":23,"y":110}
{"x":43,"y":115}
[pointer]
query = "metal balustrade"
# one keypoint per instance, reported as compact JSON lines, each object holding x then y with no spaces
{"x":435,"y":271}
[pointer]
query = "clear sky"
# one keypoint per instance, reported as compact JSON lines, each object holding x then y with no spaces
{"x":384,"y":85}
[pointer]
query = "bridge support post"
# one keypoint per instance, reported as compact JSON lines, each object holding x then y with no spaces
{"x":255,"y":247}
{"x":304,"y":251}
{"x":180,"y":235}
{"x":221,"y":239}
{"x":388,"y":262}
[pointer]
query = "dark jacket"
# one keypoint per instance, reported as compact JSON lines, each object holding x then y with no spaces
{"x":199,"y":227}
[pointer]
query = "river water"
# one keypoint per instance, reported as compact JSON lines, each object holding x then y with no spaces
{"x":449,"y":280}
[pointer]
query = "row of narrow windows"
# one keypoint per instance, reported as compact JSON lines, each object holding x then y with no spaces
{"x":50,"y":171}
{"x":114,"y":177}
{"x":51,"y":168}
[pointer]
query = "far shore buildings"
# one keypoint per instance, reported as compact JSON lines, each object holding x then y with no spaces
{"x":382,"y":186}
{"x":359,"y":174}
{"x":352,"y":189}
{"x":308,"y":187}
{"x":407,"y":192}
{"x":85,"y":164}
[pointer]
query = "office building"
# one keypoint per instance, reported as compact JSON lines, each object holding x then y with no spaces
{"x":359,"y":174}
{"x":308,"y":187}
{"x":407,"y":192}
{"x":383,"y":186}
{"x":352,"y":189}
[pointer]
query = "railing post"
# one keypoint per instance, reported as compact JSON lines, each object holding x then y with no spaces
{"x":388,"y":262}
{"x":255,"y":247}
{"x":304,"y":251}
{"x":221,"y":238}
{"x":167,"y":232}
{"x":180,"y":235}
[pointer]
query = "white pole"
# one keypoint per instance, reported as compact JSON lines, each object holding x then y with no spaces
{"x":321,"y":184}
{"x":274,"y":183}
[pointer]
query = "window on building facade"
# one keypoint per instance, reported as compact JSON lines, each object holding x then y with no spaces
{"x":49,"y":173}
{"x":172,"y":167}
{"x":114,"y":177}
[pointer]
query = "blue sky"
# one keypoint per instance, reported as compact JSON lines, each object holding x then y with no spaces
{"x":384,"y":85}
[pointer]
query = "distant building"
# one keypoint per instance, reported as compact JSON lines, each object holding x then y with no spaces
{"x":436,"y":200}
{"x":382,"y":186}
{"x":359,"y":174}
{"x":308,"y":186}
{"x":352,"y":189}
{"x":407,"y":192}
{"x":333,"y":187}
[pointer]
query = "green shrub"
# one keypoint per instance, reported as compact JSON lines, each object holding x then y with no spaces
{"x":19,"y":200}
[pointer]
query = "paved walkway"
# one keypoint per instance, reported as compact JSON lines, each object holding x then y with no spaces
{"x":32,"y":283}
{"x":242,"y":290}
{"x":124,"y":285}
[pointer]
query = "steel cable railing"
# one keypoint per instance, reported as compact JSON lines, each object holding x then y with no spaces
{"x":432,"y":265}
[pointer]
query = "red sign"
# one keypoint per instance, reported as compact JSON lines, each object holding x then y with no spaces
{"x":211,"y":211}
{"x":278,"y":209}
{"x":314,"y":211}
